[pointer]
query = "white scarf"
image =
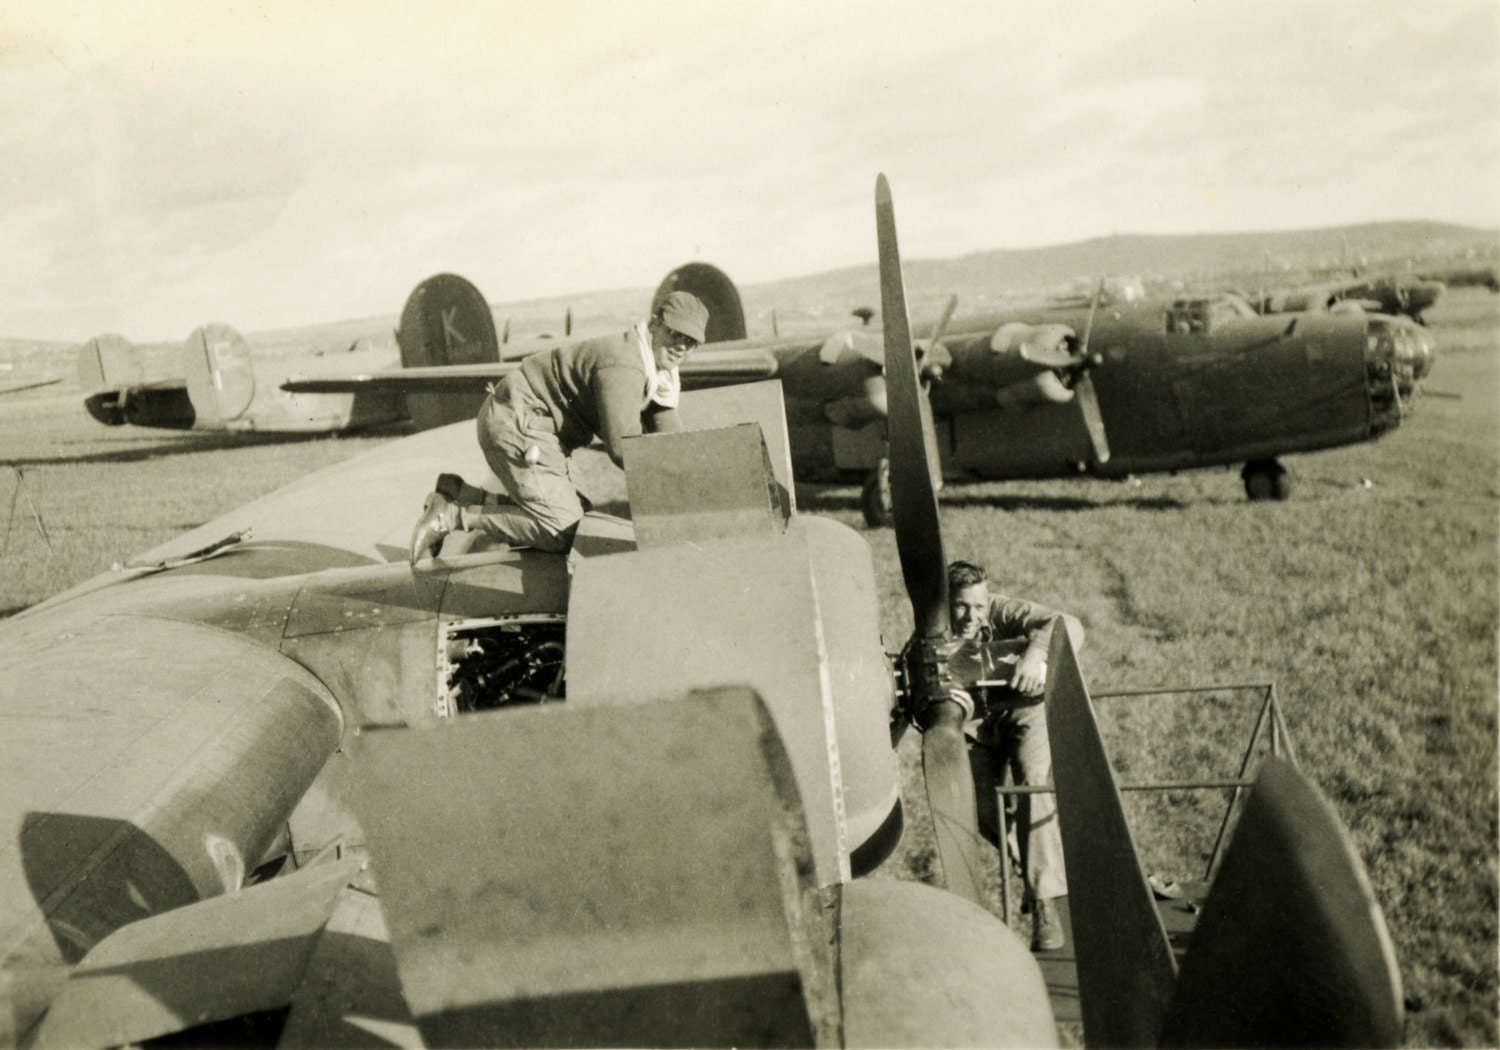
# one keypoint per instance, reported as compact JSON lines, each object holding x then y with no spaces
{"x":666,"y":384}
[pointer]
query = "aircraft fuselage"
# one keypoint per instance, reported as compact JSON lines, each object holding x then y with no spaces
{"x":1178,"y":388}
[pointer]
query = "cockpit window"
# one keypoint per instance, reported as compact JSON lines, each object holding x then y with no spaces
{"x":1198,"y":316}
{"x":1187,"y":317}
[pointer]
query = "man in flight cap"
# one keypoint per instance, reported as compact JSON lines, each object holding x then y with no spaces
{"x":612,"y":387}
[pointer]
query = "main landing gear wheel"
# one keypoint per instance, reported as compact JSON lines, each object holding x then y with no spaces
{"x":875,"y":498}
{"x":1266,"y":479}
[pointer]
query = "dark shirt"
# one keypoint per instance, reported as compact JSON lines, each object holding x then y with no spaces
{"x":597,"y":388}
{"x":1014,"y":628}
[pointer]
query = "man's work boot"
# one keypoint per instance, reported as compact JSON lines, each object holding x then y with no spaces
{"x":1046,"y":927}
{"x":456,"y":490}
{"x":439,"y":517}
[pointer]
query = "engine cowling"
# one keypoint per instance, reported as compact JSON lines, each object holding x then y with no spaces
{"x":1042,"y":389}
{"x":1015,"y":354}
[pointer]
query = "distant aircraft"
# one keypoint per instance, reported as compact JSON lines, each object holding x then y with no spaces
{"x":269,"y":773}
{"x":1104,"y":385}
{"x":216,"y":382}
{"x":1060,"y":389}
{"x":1397,"y":295}
{"x":1464,"y":274}
{"x":19,"y":387}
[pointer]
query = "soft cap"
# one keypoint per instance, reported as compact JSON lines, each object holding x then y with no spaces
{"x":684,"y":313}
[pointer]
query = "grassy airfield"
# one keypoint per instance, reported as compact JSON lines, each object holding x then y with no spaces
{"x":1369,"y":598}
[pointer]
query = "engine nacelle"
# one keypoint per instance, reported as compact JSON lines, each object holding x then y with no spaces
{"x":839,"y":381}
{"x":1016,"y":353}
{"x":861,"y":410}
{"x":1042,"y":389}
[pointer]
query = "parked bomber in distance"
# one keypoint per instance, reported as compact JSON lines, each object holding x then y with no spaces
{"x":1395,"y":294}
{"x":216,"y":381}
{"x":521,"y":798}
{"x":1101,"y":387}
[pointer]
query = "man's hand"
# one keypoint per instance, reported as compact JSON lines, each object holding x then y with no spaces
{"x":1031,"y":673}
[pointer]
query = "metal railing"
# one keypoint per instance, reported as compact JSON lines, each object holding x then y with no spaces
{"x":1269,"y":722}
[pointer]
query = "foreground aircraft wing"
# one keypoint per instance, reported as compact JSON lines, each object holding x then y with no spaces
{"x":173,"y":729}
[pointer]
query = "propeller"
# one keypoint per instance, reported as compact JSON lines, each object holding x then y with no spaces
{"x":1083,"y":386}
{"x":932,"y":361}
{"x":935,"y":358}
{"x":919,"y":541}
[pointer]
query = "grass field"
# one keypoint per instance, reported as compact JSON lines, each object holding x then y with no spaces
{"x":1369,"y":598}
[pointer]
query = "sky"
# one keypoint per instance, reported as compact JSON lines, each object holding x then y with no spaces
{"x":285,"y":162}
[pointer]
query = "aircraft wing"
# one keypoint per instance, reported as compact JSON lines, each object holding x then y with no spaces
{"x":429,"y":379}
{"x":170,"y":728}
{"x":710,"y":368}
{"x":29,"y":386}
{"x":705,"y":368}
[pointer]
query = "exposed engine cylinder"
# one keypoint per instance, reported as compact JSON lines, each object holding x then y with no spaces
{"x":496,"y":663}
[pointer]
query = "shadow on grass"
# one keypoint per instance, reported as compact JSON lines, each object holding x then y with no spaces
{"x":193,"y":442}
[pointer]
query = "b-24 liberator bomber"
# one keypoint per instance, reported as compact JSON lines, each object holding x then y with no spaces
{"x":273,"y":776}
{"x":1094,"y":386}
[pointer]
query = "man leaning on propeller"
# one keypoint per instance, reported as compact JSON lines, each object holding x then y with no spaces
{"x":999,"y":668}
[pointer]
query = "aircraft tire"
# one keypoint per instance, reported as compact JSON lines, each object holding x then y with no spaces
{"x":1266,"y":479}
{"x":875,"y":496}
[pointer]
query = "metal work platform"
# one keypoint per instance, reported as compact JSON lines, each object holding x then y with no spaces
{"x":1179,"y":912}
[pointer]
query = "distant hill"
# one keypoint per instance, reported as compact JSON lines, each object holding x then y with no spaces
{"x":1390,"y":245}
{"x":1162,"y":261}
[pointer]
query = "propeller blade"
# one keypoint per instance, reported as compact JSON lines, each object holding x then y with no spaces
{"x":1088,"y":325}
{"x":935,"y":361}
{"x":950,"y":798}
{"x":1083,"y":386}
{"x":919,"y":538}
{"x":924,"y":568}
{"x":942,"y":325}
{"x":1292,"y":948}
{"x":1088,"y":404}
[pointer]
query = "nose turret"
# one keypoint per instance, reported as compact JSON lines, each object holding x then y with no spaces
{"x":1398,"y":352}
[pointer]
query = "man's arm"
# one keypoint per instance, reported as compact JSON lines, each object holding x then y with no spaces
{"x":1015,"y":618}
{"x":618,"y":391}
{"x":658,"y":419}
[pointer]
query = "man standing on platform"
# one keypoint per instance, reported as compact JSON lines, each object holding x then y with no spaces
{"x":999,"y":666}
